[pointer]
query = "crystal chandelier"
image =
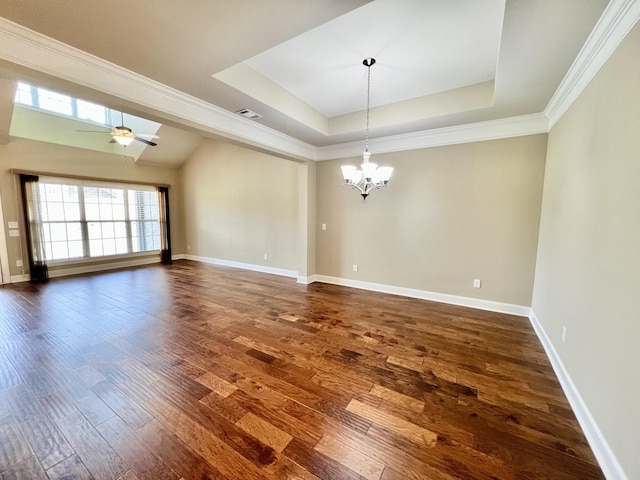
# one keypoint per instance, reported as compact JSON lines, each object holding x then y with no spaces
{"x":369,"y":176}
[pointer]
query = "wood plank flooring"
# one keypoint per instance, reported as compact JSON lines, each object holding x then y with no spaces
{"x":199,"y":372}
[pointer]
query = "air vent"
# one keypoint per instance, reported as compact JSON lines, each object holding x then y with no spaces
{"x":245,"y":112}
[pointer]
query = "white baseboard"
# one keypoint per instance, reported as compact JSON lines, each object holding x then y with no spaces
{"x":603,"y":453}
{"x":606,"y":458}
{"x":63,"y":272}
{"x":245,"y":266}
{"x":20,"y":278}
{"x":307,"y":280}
{"x":490,"y":305}
{"x":88,"y":268}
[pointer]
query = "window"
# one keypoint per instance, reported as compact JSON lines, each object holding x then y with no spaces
{"x":54,"y":102}
{"x":24,"y":94}
{"x":59,"y":103}
{"x":83,"y":220}
{"x":91,"y":111}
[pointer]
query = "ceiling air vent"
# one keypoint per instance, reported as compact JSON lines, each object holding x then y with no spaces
{"x":245,"y":112}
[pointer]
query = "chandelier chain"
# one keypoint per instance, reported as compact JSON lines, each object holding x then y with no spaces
{"x":368,"y":104}
{"x":370,"y":176}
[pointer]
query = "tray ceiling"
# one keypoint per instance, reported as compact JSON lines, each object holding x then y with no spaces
{"x":298,"y":64}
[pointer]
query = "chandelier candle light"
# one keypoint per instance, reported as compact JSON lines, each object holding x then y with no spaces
{"x":369,"y":177}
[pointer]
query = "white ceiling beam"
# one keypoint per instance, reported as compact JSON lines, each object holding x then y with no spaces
{"x":33,"y":50}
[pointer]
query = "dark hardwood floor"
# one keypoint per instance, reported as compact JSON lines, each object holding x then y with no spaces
{"x":200,"y":372}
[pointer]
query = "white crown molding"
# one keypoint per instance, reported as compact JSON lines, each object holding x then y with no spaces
{"x":601,"y":449}
{"x":473,"y":132}
{"x":33,"y":50}
{"x":616,"y":22}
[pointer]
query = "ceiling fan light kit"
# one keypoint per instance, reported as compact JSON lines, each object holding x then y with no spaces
{"x":124,"y":135}
{"x":124,"y":141}
{"x":369,"y":176}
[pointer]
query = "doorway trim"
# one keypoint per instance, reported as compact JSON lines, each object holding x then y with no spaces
{"x":5,"y":272}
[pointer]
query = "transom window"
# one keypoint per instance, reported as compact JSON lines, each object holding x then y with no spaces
{"x":82,"y":220}
{"x":43,"y":99}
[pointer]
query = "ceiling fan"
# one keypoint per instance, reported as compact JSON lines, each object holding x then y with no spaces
{"x":124,"y":135}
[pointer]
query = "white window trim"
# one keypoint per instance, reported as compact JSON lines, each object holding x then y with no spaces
{"x":74,"y":106}
{"x":81,"y":184}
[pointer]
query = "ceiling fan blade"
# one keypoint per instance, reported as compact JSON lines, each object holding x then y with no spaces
{"x":113,"y":140}
{"x":148,"y":142}
{"x":91,"y":131}
{"x":148,"y":136}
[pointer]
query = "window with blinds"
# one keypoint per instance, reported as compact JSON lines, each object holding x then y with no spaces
{"x":82,"y":220}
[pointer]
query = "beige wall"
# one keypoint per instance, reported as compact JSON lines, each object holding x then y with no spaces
{"x":451,"y":214}
{"x":588,"y":269}
{"x":307,"y":219}
{"x":240,"y":204}
{"x":45,"y":157}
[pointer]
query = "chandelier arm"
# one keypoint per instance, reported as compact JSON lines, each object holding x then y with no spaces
{"x":364,"y":187}
{"x":370,"y":176}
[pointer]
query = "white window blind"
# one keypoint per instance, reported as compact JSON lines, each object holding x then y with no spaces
{"x":82,"y":219}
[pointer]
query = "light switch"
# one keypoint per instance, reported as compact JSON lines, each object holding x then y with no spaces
{"x":13,"y":224}
{"x":14,"y":233}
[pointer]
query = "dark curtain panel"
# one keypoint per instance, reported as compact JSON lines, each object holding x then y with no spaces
{"x":34,"y":234}
{"x":165,"y":229}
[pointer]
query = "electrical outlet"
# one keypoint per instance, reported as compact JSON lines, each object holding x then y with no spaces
{"x":355,"y":267}
{"x":18,"y":263}
{"x":188,"y":247}
{"x":324,"y":226}
{"x":476,"y":283}
{"x":266,"y":256}
{"x":14,"y":233}
{"x":564,"y":334}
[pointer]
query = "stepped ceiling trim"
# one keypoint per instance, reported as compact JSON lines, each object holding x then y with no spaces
{"x":43,"y":54}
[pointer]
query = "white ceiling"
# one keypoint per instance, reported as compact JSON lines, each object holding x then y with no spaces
{"x":413,"y":58}
{"x":441,"y":63}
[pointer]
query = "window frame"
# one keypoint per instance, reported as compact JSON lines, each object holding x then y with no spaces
{"x":36,"y":104}
{"x":84,"y":222}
